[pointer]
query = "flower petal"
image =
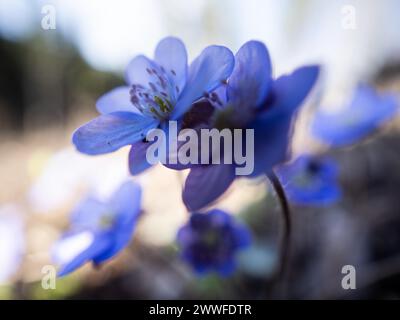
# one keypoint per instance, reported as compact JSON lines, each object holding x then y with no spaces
{"x":271,"y":141}
{"x":88,"y":214}
{"x":110,"y":132}
{"x":251,"y":79}
{"x":206,"y":183}
{"x":137,"y":71}
{"x":137,"y":157}
{"x":80,"y":248}
{"x":117,"y":99}
{"x":126,"y":201}
{"x":364,"y":114}
{"x":206,"y":73}
{"x":172,"y":56}
{"x":289,"y":91}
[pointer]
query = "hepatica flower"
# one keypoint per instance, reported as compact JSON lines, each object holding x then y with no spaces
{"x":99,"y":230}
{"x":210,"y":241}
{"x":364,"y":114}
{"x":310,"y":180}
{"x":252,"y":99}
{"x":157,"y":91}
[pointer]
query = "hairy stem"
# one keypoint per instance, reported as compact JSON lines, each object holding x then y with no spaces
{"x":287,"y":224}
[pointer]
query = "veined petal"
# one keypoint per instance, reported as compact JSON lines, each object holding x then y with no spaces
{"x":137,"y":157}
{"x":251,"y":79}
{"x":206,"y":73}
{"x":172,"y":56}
{"x":115,"y":100}
{"x":137,"y":71}
{"x":110,"y":132}
{"x":206,"y":183}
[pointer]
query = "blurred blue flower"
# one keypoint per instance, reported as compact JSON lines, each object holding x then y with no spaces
{"x":251,"y":100}
{"x":365,"y":113}
{"x":99,"y":230}
{"x":210,"y":241}
{"x":310,"y":180}
{"x":158,"y":90}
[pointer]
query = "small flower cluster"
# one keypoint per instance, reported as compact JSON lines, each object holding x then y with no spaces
{"x":217,"y":90}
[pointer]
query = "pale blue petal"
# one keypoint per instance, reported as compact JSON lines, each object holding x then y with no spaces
{"x":206,"y":73}
{"x":251,"y":79}
{"x":172,"y":56}
{"x":117,"y":99}
{"x":110,"y":132}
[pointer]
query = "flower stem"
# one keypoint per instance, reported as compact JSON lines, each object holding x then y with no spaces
{"x":287,"y":224}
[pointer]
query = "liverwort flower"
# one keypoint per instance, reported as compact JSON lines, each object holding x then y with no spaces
{"x":251,"y":99}
{"x":310,"y":180}
{"x":365,"y":113}
{"x":157,"y":91}
{"x":12,"y":241}
{"x":210,"y":241}
{"x":99,"y":230}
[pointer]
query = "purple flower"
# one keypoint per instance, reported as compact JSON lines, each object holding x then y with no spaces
{"x":99,"y":230}
{"x":158,"y":90}
{"x":251,"y":100}
{"x":209,"y":241}
{"x":364,"y":114}
{"x":310,"y":180}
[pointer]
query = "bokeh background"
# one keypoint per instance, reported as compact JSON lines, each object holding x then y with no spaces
{"x":50,"y":80}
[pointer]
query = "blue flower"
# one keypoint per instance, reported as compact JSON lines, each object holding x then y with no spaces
{"x":310,"y":180}
{"x":209,"y":241}
{"x":364,"y":114}
{"x":251,"y":100}
{"x":99,"y":230}
{"x":158,"y":90}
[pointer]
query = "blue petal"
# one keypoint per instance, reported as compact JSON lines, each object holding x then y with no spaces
{"x":137,"y":71}
{"x":110,"y":132}
{"x":226,"y":268}
{"x":119,"y":240}
{"x":242,"y":236}
{"x":205,"y":184}
{"x":206,"y":73}
{"x":289,"y":91}
{"x":101,"y":242}
{"x":251,"y":79}
{"x":88,"y":214}
{"x":126,"y":201}
{"x":310,"y":181}
{"x":117,"y":99}
{"x":271,"y":141}
{"x":172,"y":56}
{"x":364,"y":114}
{"x":137,"y":157}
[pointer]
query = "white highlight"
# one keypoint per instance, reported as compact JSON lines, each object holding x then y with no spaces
{"x":70,"y":247}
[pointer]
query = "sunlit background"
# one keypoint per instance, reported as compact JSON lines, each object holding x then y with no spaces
{"x":50,"y":80}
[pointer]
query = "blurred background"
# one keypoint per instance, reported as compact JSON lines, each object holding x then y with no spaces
{"x":51,"y":78}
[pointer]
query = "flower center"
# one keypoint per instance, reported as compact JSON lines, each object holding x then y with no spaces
{"x":159,"y":98}
{"x":106,"y":220}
